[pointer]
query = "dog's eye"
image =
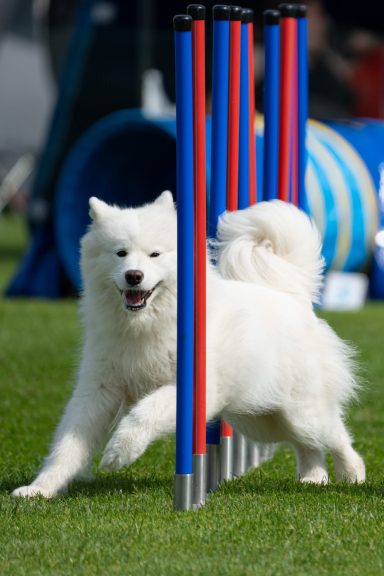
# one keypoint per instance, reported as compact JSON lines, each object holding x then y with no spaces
{"x":154,"y":254}
{"x":121,"y":253}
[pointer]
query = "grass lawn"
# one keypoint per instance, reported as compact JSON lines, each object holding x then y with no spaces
{"x":123,"y":523}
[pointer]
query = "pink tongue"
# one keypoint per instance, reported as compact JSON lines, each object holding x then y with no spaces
{"x":133,"y":297}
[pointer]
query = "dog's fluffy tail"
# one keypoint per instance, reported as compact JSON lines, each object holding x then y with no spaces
{"x":274,"y":244}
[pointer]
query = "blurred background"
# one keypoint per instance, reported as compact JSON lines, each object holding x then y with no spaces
{"x":65,"y":64}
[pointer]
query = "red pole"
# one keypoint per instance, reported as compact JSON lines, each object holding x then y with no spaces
{"x":233,"y":108}
{"x":226,"y":430}
{"x":252,"y":141}
{"x":288,"y":27}
{"x":198,"y":52}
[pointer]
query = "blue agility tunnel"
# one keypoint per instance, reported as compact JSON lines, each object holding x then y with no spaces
{"x":128,"y":158}
{"x":125,"y":159}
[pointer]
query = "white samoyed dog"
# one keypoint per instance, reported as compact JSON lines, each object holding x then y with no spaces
{"x":274,"y":370}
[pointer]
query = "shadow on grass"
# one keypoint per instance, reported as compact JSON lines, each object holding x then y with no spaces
{"x":108,"y":485}
{"x":254,"y":485}
{"x":251,"y":484}
{"x":111,"y":485}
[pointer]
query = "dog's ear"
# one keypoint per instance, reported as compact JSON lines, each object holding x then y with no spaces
{"x":97,"y":208}
{"x":165,"y":199}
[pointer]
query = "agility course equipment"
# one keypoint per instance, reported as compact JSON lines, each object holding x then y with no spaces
{"x":239,"y":184}
{"x":291,"y":152}
{"x":238,"y":76}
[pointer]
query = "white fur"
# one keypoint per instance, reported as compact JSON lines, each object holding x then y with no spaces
{"x":272,"y":244}
{"x":274,"y":370}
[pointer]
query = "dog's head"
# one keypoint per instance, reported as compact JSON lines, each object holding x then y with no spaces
{"x":131,"y":251}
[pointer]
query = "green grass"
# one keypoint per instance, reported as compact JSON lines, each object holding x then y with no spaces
{"x":264,"y":523}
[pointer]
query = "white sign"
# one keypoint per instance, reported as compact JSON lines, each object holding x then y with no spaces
{"x":344,"y":291}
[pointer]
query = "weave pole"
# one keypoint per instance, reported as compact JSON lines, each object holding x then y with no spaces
{"x":244,"y":140}
{"x":197,"y":12}
{"x":218,"y":197}
{"x":251,"y":108}
{"x":233,"y":108}
{"x":226,"y":433}
{"x":220,"y":75}
{"x":302,"y":100}
{"x":271,"y":103}
{"x":288,"y":39}
{"x":294,"y":193}
{"x":183,"y":482}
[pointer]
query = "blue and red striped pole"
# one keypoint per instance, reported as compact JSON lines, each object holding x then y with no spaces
{"x":183,"y":488}
{"x":197,"y":12}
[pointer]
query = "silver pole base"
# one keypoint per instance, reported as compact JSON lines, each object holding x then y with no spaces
{"x":183,"y":492}
{"x":226,"y":458}
{"x":239,"y":454}
{"x":213,"y":473}
{"x":253,"y":454}
{"x":199,"y":479}
{"x":266,"y":451}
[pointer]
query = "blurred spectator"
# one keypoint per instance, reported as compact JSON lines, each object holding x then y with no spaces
{"x":330,"y":73}
{"x":368,"y":74}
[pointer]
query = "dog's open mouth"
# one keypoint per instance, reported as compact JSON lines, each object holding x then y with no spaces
{"x":136,"y":299}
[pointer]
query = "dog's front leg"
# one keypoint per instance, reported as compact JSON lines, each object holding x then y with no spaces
{"x":151,"y":418}
{"x":84,"y":424}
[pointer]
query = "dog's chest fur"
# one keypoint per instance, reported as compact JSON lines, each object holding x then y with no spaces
{"x":139,"y":362}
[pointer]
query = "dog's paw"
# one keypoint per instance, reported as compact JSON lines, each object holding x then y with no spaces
{"x":32,"y":491}
{"x":319,"y":478}
{"x":116,"y":456}
{"x":111,"y":460}
{"x":121,"y":450}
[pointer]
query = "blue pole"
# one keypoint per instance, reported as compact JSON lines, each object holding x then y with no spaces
{"x":243,"y":189}
{"x":220,"y":66}
{"x":185,"y":261}
{"x":302,"y":71}
{"x":271,"y":103}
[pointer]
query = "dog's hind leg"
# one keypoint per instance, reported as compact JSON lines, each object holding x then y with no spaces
{"x":311,"y":465}
{"x":349,"y":465}
{"x":151,"y":418}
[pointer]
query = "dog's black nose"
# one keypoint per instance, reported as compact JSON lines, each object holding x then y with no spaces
{"x":134,"y":277}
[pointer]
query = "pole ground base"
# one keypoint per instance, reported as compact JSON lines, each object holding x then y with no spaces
{"x":213,"y":473}
{"x":226,"y":458}
{"x":239,"y":454}
{"x":183,"y":492}
{"x":199,"y":479}
{"x":253,"y":454}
